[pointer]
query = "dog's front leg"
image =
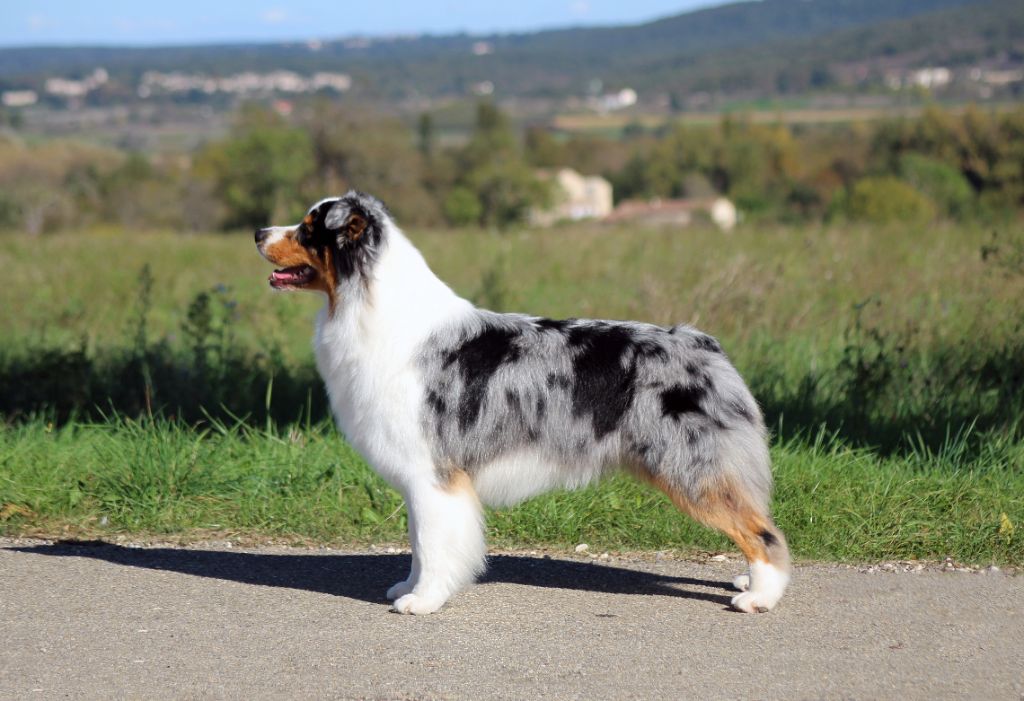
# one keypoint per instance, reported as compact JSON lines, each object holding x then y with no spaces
{"x":400,"y":589}
{"x":447,"y":539}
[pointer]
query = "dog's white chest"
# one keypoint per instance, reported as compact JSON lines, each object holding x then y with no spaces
{"x":371,"y":395}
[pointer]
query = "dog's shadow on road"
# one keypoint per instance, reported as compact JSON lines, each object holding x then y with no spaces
{"x":367,"y":576}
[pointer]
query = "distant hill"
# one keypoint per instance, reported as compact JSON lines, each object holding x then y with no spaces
{"x":763,"y":48}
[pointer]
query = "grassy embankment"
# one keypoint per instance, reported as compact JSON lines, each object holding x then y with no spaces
{"x":889,"y":364}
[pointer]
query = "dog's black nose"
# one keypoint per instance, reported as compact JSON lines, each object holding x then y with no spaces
{"x":262,"y":234}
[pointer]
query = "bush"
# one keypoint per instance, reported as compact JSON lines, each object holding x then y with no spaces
{"x":259,"y":171}
{"x":462,"y":207}
{"x":943,"y":184}
{"x":888,"y":199}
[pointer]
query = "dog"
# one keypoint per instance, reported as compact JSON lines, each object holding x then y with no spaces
{"x":455,"y":406}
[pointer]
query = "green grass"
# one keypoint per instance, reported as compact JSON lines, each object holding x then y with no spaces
{"x":888,"y":361}
{"x":159,"y":477}
{"x":795,"y":285}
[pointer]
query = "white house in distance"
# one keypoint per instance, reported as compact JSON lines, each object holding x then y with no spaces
{"x":575,"y":197}
{"x":677,"y":212}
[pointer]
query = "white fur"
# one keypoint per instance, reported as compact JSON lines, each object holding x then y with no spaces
{"x":276,"y":234}
{"x":517,"y":477}
{"x":364,"y":352}
{"x":448,"y":554}
{"x":766,"y":584}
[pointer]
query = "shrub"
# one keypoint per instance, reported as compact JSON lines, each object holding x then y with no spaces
{"x":462,"y":207}
{"x":888,"y":199}
{"x":943,"y":184}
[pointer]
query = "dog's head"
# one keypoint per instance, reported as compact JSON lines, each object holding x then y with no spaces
{"x":336,"y":242}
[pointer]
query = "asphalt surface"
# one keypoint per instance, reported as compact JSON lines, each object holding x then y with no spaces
{"x":110,"y":621}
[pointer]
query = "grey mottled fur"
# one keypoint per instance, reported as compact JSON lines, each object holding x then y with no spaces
{"x":530,"y":397}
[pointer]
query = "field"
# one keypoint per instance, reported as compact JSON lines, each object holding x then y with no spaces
{"x":152,"y":384}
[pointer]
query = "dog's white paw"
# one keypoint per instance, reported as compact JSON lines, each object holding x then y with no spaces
{"x":752,"y":602}
{"x":398,"y":590}
{"x":416,"y":604}
{"x":741,"y":582}
{"x":764,"y":587}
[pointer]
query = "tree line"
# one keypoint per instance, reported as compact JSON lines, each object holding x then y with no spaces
{"x":965,"y":165}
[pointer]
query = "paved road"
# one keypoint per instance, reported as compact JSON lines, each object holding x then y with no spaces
{"x":108,"y":621}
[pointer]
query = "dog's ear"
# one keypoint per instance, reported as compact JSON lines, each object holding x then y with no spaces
{"x":347,"y":221}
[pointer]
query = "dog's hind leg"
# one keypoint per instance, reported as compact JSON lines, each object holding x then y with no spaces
{"x":733,"y":498}
{"x":727,"y":508}
{"x":447,"y":542}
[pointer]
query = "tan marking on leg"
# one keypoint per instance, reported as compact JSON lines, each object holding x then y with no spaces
{"x":727,"y":508}
{"x":459,"y":481}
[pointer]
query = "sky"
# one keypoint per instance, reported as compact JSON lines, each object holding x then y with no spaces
{"x":202,"y":21}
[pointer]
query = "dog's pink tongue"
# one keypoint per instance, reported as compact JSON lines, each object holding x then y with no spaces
{"x":286,"y":274}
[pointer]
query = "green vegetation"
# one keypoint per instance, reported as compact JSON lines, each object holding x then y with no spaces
{"x":303,"y":483}
{"x":940,"y":166}
{"x":181,"y":398}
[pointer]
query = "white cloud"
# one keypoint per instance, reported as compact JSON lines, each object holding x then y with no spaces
{"x":38,"y":22}
{"x":579,"y":8}
{"x":274,"y":15}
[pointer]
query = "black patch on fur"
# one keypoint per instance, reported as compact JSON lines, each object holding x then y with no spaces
{"x":559,"y":325}
{"x":479,"y":358}
{"x":769,"y":538}
{"x":682,"y":399}
{"x":557,"y":380}
{"x":605,"y":374}
{"x":542,"y":407}
{"x":692,"y":435}
{"x":436,"y":402}
{"x":707,"y":343}
{"x":692,"y":368}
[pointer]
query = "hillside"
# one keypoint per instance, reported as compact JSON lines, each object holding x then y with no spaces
{"x":771,"y":46}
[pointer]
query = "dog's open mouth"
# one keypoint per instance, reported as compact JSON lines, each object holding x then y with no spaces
{"x":295,"y":276}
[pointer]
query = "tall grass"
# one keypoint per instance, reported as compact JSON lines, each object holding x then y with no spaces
{"x":159,"y":476}
{"x":887,"y":338}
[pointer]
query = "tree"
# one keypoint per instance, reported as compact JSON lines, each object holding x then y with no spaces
{"x":492,"y":167}
{"x":425,"y":131}
{"x":543,"y":150}
{"x":942,"y":183}
{"x":354,"y":148}
{"x":260,"y":170}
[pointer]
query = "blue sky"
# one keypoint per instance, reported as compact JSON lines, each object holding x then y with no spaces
{"x":198,"y":21}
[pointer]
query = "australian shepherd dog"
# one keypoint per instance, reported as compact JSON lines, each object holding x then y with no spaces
{"x":456,"y":406}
